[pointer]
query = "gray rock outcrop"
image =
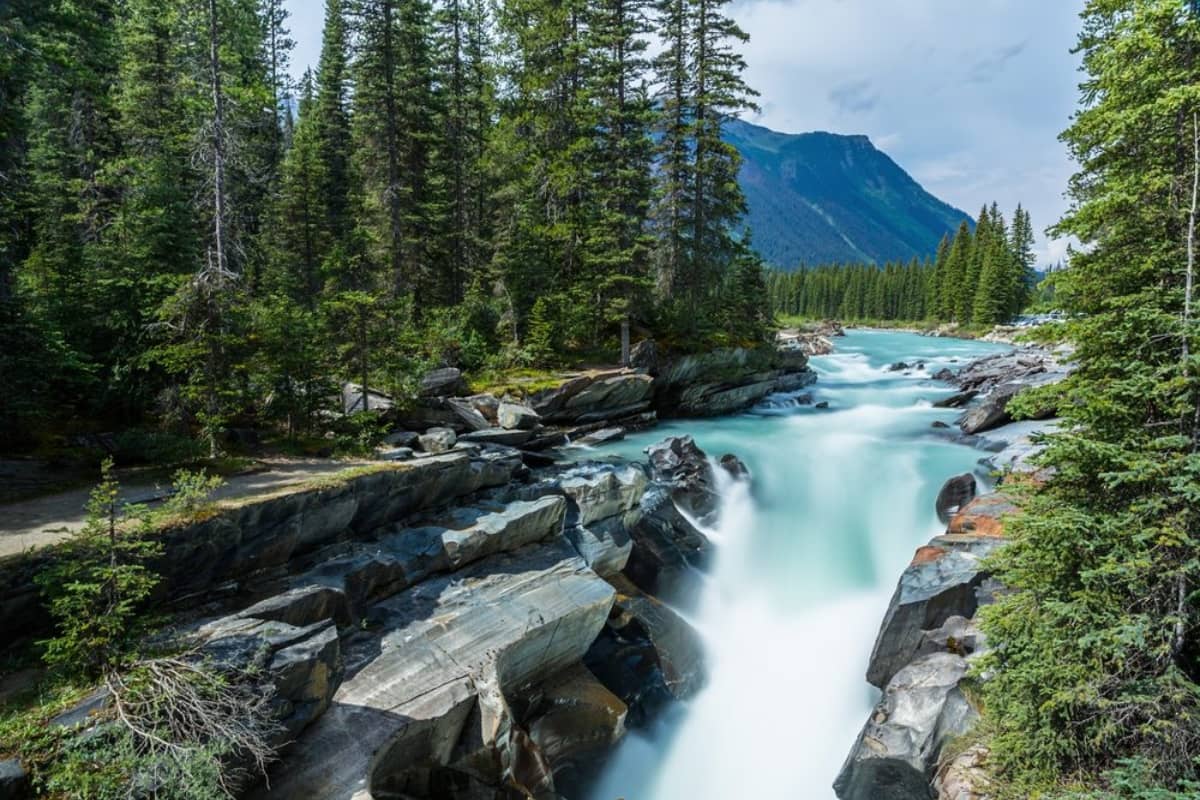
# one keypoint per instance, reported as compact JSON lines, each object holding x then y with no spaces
{"x":940,"y":583}
{"x":444,"y":382}
{"x":14,"y":780}
{"x":679,"y":463}
{"x":427,"y":696}
{"x":513,"y":416}
{"x":921,"y":709}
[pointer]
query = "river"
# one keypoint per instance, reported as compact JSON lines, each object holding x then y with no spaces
{"x":808,"y":556}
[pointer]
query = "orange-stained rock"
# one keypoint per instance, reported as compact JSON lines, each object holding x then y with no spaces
{"x":983,"y":516}
{"x":926,"y":554}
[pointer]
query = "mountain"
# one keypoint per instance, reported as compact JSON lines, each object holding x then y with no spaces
{"x":817,"y":198}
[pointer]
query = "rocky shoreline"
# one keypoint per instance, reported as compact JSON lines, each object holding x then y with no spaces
{"x":469,"y":617}
{"x":483,"y":622}
{"x":929,"y":637}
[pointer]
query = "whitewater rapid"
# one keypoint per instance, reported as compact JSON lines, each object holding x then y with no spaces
{"x":808,"y":554}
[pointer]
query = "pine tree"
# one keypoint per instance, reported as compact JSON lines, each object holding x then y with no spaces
{"x":465,"y":75}
{"x":302,"y":234}
{"x":719,"y":93}
{"x":71,"y":137}
{"x":672,"y":203}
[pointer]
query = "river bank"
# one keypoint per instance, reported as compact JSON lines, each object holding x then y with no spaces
{"x":527,"y":597}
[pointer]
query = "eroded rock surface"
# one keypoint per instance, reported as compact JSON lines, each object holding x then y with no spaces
{"x":922,"y":708}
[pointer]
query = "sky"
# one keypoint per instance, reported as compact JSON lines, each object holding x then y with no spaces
{"x":968,"y":96}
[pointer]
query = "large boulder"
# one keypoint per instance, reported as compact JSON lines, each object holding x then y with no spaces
{"x":355,"y":400}
{"x":438,"y":440}
{"x":983,"y":516}
{"x":647,"y":655}
{"x":669,"y":553}
{"x":601,"y":502}
{"x":445,"y":382}
{"x":955,"y":493}
{"x":426,"y":699}
{"x":726,"y":380}
{"x":897,"y":752}
{"x":941,"y":582}
{"x":991,"y":411}
{"x":512,"y":416}
{"x":574,"y":721}
{"x":964,"y":776}
{"x":595,"y":396}
{"x":644,"y":356}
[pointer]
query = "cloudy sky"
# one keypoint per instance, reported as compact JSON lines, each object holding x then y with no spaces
{"x":969,"y":97}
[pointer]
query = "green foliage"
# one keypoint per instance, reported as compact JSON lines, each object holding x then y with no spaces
{"x":981,"y":277}
{"x":191,"y":493}
{"x":142,"y":446}
{"x":459,"y":183}
{"x":97,"y":582}
{"x":1095,"y":663}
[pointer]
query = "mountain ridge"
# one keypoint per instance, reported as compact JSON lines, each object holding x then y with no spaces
{"x":820,"y":197}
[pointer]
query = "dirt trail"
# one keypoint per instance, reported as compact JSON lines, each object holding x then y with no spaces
{"x":42,"y":521}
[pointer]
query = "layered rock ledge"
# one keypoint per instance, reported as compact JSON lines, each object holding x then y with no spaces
{"x":457,"y":626}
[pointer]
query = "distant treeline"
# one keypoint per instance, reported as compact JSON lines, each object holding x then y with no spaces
{"x":981,"y":276}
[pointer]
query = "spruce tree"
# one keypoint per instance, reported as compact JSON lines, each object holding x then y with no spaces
{"x":1094,"y":654}
{"x":621,"y":152}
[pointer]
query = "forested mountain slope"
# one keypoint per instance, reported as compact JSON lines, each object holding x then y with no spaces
{"x":818,"y":198}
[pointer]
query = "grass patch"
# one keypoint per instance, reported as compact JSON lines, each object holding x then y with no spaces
{"x":521,"y":382}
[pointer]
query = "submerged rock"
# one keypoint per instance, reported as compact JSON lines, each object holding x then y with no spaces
{"x":734,"y":466}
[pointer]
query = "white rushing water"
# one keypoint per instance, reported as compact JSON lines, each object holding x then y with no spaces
{"x":808,"y":555}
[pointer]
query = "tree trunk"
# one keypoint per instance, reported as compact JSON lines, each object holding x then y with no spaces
{"x":625,"y":341}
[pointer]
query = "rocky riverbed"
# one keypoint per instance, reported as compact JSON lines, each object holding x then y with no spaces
{"x":478,"y":620}
{"x":929,"y":636}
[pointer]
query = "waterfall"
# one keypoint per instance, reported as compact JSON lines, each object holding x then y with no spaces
{"x":808,"y":553}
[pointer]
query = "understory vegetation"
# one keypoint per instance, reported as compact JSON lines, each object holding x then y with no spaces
{"x":148,"y":716}
{"x":190,"y":242}
{"x":981,"y":276}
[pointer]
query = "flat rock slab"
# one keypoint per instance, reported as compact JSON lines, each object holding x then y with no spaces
{"x":513,"y":618}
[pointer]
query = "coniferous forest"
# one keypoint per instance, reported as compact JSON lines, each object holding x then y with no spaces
{"x":981,"y":276}
{"x":190,"y":238}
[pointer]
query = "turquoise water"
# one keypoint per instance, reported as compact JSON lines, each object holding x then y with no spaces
{"x":808,"y":556}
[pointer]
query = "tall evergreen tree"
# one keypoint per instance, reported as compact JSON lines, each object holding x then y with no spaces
{"x":1095,"y":658}
{"x":622,"y":149}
